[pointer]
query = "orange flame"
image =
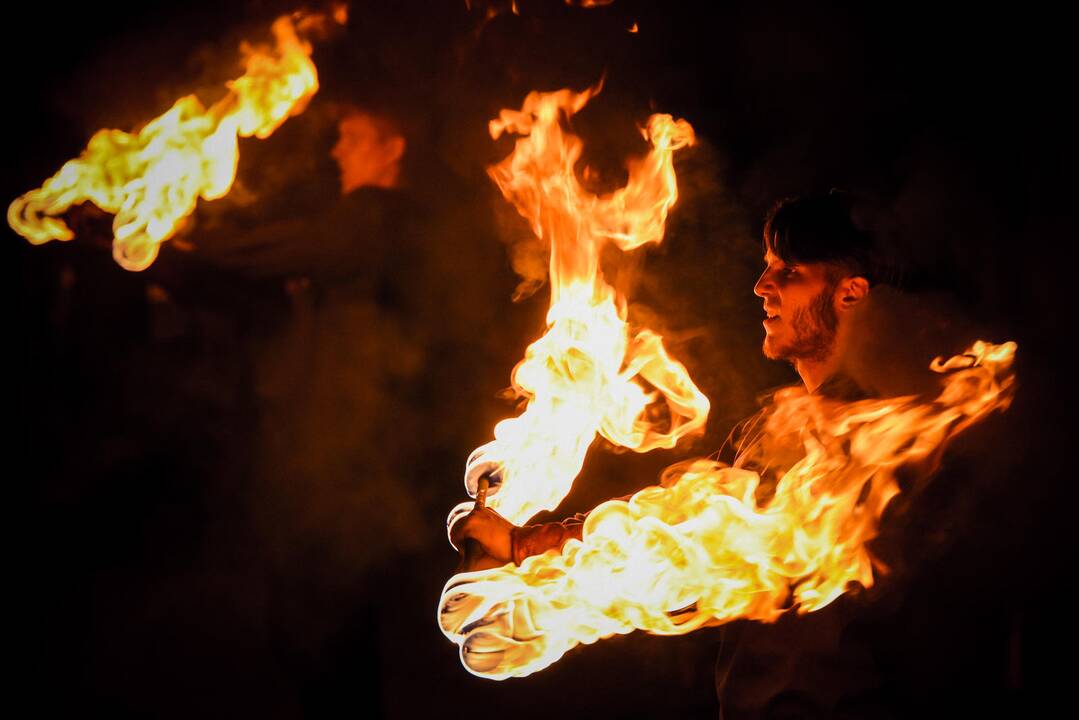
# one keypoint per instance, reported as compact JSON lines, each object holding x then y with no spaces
{"x":152,"y":179}
{"x":702,"y":549}
{"x":583,"y":376}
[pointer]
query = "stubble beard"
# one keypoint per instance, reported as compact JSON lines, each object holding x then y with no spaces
{"x":814,"y":329}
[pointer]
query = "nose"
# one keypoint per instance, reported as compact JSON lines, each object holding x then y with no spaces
{"x":764,"y":285}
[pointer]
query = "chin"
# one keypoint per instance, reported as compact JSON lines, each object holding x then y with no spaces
{"x":773,"y":349}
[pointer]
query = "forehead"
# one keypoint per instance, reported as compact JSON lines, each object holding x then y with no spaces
{"x":770,"y":258}
{"x":357,"y":124}
{"x":770,"y":255}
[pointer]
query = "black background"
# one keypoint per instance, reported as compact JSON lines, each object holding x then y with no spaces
{"x":211,"y":526}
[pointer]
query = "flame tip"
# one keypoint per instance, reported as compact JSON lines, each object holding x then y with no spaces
{"x":152,"y":178}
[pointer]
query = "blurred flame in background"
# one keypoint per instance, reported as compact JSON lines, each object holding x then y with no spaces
{"x":152,"y":179}
{"x":704,"y":547}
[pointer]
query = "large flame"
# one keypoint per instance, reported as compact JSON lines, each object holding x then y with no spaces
{"x":589,"y":373}
{"x":151,"y":179}
{"x":704,"y":549}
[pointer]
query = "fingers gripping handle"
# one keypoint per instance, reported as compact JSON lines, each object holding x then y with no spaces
{"x":471,"y":550}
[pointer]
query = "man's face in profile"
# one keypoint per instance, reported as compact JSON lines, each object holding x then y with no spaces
{"x":368,"y":152}
{"x":799,"y":304}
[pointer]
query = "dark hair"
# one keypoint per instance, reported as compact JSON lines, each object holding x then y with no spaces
{"x":819,"y":229}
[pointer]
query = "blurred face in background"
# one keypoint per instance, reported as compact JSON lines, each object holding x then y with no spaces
{"x":368,"y":152}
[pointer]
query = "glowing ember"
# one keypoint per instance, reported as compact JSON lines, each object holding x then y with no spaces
{"x":152,"y":179}
{"x":584,"y":376}
{"x":704,"y":549}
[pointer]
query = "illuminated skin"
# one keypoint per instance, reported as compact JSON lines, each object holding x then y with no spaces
{"x":807,"y":315}
{"x":368,"y":153}
{"x":492,"y":531}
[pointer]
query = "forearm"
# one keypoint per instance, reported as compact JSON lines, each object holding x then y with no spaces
{"x":538,"y":539}
{"x":268,"y":249}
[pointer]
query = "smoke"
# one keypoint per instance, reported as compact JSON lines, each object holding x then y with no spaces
{"x":698,"y":287}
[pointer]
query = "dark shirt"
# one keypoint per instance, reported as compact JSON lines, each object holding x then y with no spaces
{"x":362,"y":236}
{"x":816,"y":665}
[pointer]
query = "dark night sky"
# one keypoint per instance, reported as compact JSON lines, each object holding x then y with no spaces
{"x":237,"y":495}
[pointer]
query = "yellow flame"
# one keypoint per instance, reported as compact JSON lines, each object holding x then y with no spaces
{"x":584,"y":376}
{"x":152,"y":179}
{"x":703,"y":549}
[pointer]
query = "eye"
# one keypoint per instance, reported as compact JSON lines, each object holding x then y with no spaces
{"x":789,"y":271}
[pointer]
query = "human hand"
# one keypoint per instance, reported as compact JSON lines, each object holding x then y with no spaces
{"x":484,"y":538}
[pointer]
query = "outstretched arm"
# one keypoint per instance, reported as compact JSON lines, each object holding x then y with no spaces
{"x":504,"y":542}
{"x":350,"y":238}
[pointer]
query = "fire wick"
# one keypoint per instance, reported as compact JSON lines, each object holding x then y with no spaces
{"x":481,"y":491}
{"x":471,"y":550}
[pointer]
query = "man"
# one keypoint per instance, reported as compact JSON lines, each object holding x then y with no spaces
{"x":819,"y":269}
{"x":331,"y":301}
{"x":818,"y":272}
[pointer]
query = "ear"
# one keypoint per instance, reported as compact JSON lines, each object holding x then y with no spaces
{"x":851,"y":291}
{"x":395,"y":148}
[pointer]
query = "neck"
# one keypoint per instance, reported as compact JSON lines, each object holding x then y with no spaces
{"x":815,"y":372}
{"x":385,"y":178}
